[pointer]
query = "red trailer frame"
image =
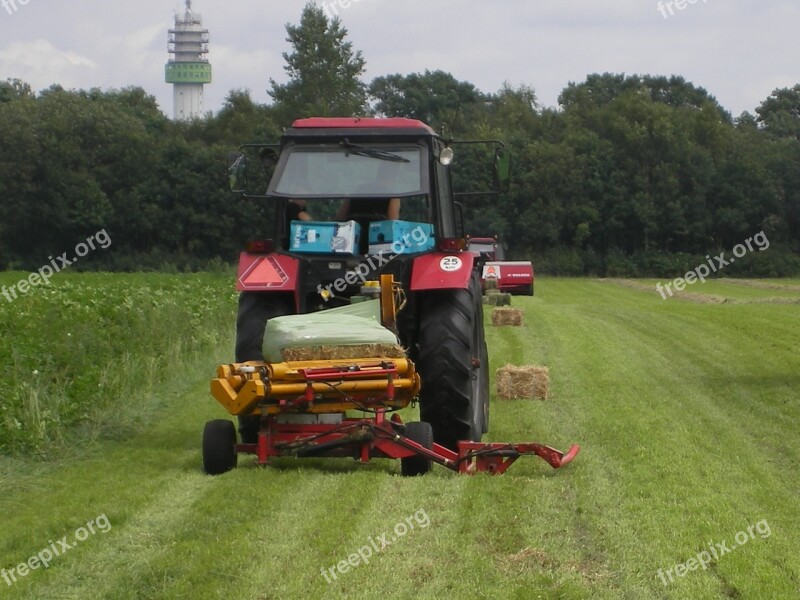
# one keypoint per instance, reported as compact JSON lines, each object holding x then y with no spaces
{"x":379,"y":436}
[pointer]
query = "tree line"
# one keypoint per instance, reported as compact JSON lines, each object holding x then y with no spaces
{"x":629,"y":175}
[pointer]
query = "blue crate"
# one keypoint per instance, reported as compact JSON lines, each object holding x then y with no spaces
{"x":324,"y":237}
{"x":400,"y":237}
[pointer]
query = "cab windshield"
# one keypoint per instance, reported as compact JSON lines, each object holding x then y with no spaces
{"x":351,"y":171}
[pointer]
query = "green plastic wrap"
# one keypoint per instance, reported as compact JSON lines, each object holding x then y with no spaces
{"x":354,"y":325}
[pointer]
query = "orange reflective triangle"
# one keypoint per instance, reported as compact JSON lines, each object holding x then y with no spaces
{"x":265,"y":273}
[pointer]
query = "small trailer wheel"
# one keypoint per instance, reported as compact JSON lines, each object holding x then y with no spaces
{"x":219,"y":447}
{"x":421,"y":433}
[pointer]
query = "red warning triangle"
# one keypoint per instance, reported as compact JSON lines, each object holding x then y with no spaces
{"x":265,"y":273}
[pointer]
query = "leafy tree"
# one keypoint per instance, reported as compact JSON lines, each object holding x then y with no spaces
{"x":13,"y":89}
{"x":323,"y":71}
{"x":240,"y":120}
{"x":746,"y":121}
{"x":434,"y":97}
{"x":780,"y":113}
{"x":599,"y":90}
{"x":514,"y":110}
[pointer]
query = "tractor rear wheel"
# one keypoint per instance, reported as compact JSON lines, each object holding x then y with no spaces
{"x":255,"y":309}
{"x":219,"y":447}
{"x":449,"y":358}
{"x":422,"y":433}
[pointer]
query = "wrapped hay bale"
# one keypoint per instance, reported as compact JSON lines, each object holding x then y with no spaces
{"x":340,"y":333}
{"x":523,"y":382}
{"x":505,"y":315}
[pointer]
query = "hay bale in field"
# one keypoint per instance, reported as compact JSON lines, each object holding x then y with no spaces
{"x":491,"y":291}
{"x":503,"y":300}
{"x":523,"y":382}
{"x":343,"y":352}
{"x":490,"y":283}
{"x":505,"y":315}
{"x":497,"y":299}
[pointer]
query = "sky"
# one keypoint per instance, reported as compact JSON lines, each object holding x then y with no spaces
{"x":738,"y":50}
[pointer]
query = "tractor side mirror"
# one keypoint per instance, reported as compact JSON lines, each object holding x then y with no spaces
{"x":502,"y":170}
{"x":237,"y":172}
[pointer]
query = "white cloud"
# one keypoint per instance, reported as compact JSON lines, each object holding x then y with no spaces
{"x":40,"y":63}
{"x":240,"y":68}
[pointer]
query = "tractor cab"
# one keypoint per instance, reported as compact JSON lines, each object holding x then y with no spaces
{"x":370,"y":193}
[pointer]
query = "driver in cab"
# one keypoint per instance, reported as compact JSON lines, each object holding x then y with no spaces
{"x":383,"y":185}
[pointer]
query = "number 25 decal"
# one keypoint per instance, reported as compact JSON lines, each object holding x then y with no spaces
{"x":450,"y":263}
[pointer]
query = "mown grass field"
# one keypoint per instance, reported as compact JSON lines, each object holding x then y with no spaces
{"x":687,"y":413}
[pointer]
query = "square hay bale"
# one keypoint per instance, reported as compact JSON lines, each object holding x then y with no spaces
{"x":503,"y":300}
{"x":343,"y":352}
{"x":497,"y":299}
{"x":505,"y":315}
{"x":515,"y":383}
{"x":490,"y":283}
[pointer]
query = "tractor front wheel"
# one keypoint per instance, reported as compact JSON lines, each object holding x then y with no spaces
{"x":219,"y":447}
{"x":450,"y":361}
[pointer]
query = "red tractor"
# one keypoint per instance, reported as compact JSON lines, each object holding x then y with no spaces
{"x":358,"y":201}
{"x":368,"y":162}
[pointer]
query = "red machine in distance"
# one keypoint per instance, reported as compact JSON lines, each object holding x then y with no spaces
{"x":512,"y":277}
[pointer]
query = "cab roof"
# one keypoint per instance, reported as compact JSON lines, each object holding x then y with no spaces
{"x":394,"y":123}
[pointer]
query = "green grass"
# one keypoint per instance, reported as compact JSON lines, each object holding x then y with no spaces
{"x":687,"y":414}
{"x":82,"y":345}
{"x":752,"y":290}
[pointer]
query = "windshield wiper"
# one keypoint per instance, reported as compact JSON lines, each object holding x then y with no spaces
{"x":372,"y":153}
